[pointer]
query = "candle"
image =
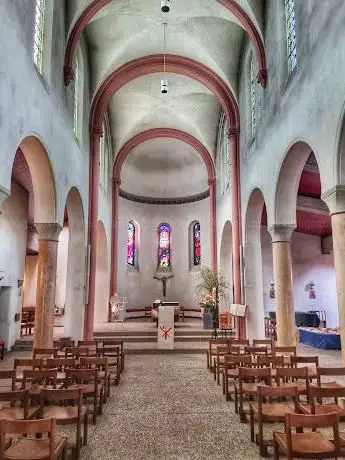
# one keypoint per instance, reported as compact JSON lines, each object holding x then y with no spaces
{"x":214,"y":293}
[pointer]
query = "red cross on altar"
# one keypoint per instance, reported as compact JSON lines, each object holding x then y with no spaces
{"x":165,"y":331}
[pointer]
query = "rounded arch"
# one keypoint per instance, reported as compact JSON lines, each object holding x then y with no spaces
{"x":232,"y":6}
{"x":154,"y":64}
{"x":102,"y":275}
{"x":285,"y":202}
{"x":167,"y":133}
{"x":76,"y":266}
{"x":226,"y":262}
{"x":42,"y":177}
{"x":253,"y":283}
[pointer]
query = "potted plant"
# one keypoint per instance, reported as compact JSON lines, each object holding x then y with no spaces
{"x":211,"y":288}
{"x":207,"y":304}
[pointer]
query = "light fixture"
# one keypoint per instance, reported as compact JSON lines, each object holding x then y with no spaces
{"x":165,"y":6}
{"x":164,"y":81}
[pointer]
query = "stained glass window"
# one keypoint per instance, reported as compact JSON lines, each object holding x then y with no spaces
{"x":131,"y":244}
{"x":39,"y":34}
{"x":76,"y":99}
{"x":164,"y":246}
{"x":291,"y":34}
{"x":196,"y":243}
{"x":253,"y":96}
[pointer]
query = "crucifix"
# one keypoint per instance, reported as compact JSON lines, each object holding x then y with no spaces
{"x":163,"y":278}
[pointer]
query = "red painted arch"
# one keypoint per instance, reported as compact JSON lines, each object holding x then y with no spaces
{"x":96,"y":5}
{"x":154,"y":64}
{"x":168,"y":133}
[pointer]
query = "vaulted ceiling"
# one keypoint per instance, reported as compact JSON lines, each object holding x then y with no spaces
{"x":203,"y":30}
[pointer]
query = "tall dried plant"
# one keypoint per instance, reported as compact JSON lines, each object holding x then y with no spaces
{"x":210,"y":279}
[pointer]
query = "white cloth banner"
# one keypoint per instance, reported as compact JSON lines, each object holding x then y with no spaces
{"x":165,"y":336}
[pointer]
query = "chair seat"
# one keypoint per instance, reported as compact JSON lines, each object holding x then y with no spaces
{"x":87,"y":388}
{"x":34,"y":449}
{"x":332,"y":385}
{"x":313,"y":443}
{"x":16,"y":413}
{"x":322,"y":409}
{"x":274,"y":411}
{"x":63,"y":413}
{"x":301,"y":387}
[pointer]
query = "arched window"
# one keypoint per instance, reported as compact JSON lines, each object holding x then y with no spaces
{"x":164,"y":246}
{"x":131,"y":249}
{"x":291,"y":34}
{"x":40,"y":6}
{"x":253,"y":96}
{"x":196,"y":244}
{"x":76,"y":98}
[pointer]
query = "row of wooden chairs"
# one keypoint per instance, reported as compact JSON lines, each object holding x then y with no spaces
{"x":274,"y":385}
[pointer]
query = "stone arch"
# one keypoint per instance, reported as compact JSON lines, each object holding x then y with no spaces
{"x":225,"y":263}
{"x":75,"y":286}
{"x":253,"y":279}
{"x":43,"y":181}
{"x":102,"y":275}
{"x":288,"y":181}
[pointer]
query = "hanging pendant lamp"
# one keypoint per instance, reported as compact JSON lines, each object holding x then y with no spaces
{"x":165,"y":6}
{"x":164,"y":81}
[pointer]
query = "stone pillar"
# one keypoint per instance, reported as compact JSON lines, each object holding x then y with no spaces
{"x":234,"y":149}
{"x":282,"y":268}
{"x":96,"y":134}
{"x":335,"y":200}
{"x":114,"y":235}
{"x":48,"y":236}
{"x":213,"y":222}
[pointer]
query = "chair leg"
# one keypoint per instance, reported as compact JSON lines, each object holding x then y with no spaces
{"x":218,"y":375}
{"x":252,"y":434}
{"x":276,"y":450}
{"x":263,"y":451}
{"x":236,"y":401}
{"x":86,"y":424}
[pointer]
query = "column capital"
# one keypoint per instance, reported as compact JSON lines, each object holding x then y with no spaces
{"x":335,"y":199}
{"x":262,"y":78}
{"x":48,"y":231}
{"x":281,"y":233}
{"x":233,"y":132}
{"x":4,"y":194}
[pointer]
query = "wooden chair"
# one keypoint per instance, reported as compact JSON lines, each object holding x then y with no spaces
{"x":218,"y":361}
{"x":35,"y":380}
{"x":63,"y":342}
{"x":247,"y":386}
{"x":21,"y":364}
{"x":296,"y":360}
{"x":88,"y":381}
{"x":307,"y":444}
{"x":101,"y":364}
{"x":18,"y":406}
{"x":316,"y":405}
{"x":264,"y":342}
{"x":66,"y":407}
{"x":7,"y":380}
{"x":115,"y":343}
{"x":113,"y":353}
{"x":92,"y":346}
{"x":212,"y":349}
{"x":287,"y":376}
{"x":271,"y":411}
{"x":28,"y":447}
{"x":61,"y":364}
{"x":329,"y":372}
{"x":230,"y":371}
{"x":241,"y":342}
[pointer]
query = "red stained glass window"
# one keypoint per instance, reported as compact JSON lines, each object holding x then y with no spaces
{"x":196,"y":244}
{"x":131,"y":244}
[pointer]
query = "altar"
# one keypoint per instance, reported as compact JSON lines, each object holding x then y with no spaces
{"x":166,"y":327}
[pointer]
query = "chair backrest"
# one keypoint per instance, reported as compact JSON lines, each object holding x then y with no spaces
{"x":330,"y":372}
{"x":27,"y":427}
{"x":267,"y":342}
{"x":270,"y":361}
{"x":295,"y":360}
{"x":255,"y":373}
{"x":285,"y":351}
{"x":285,"y":374}
{"x":27,"y":363}
{"x":236,"y":341}
{"x":87,"y":343}
{"x":214,"y":343}
{"x":256,"y":350}
{"x":99,"y":362}
{"x":69,"y":395}
{"x":45,"y":353}
{"x":18,"y":396}
{"x":63,"y":342}
{"x":61,"y":363}
{"x":320,"y":393}
{"x":104,"y":343}
{"x":273,"y":392}
{"x":9,"y":375}
{"x":238,"y":360}
{"x":40,"y":377}
{"x":114,"y":351}
{"x":82,"y":375}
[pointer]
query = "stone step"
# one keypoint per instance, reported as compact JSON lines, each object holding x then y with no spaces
{"x":143,"y":339}
{"x":150,"y":333}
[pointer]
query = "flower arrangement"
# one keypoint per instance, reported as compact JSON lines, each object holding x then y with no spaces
{"x":207,"y":302}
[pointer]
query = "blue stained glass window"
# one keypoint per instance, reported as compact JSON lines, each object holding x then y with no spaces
{"x":164,"y":246}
